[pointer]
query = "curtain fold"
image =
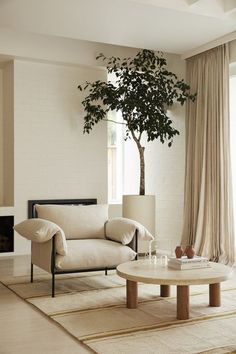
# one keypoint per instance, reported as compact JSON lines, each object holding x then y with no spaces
{"x":208,"y":214}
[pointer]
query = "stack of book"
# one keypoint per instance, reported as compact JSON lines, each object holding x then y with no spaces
{"x":188,"y":263}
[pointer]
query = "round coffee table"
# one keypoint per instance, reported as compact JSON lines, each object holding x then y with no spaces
{"x":146,"y":272}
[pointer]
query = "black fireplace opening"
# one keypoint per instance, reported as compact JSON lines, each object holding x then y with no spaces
{"x":6,"y":234}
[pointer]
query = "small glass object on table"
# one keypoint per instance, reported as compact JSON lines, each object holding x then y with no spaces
{"x":155,"y":255}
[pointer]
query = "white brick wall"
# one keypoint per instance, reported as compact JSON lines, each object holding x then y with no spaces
{"x":53,"y":158}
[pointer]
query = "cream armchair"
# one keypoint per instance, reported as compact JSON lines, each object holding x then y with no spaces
{"x":71,"y":236}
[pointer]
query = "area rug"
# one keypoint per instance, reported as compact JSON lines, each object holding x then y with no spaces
{"x":91,"y":308}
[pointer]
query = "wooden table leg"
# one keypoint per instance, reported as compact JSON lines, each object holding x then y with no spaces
{"x":165,"y":290}
{"x":182,"y":302}
{"x":131,"y":294}
{"x":214,"y":295}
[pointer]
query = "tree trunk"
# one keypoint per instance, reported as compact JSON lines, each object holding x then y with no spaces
{"x":142,"y":163}
{"x":142,"y":170}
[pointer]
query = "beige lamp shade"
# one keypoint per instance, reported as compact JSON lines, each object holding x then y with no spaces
{"x":141,"y":208}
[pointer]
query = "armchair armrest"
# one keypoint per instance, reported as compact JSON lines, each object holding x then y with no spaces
{"x":123,"y":230}
{"x":40,"y":230}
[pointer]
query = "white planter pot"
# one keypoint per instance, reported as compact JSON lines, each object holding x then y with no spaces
{"x":141,"y":208}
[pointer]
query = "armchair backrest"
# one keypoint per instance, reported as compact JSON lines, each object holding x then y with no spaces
{"x":77,"y":221}
{"x":32,"y":213}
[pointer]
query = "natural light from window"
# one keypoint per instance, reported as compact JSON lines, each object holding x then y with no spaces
{"x":115,"y":153}
{"x":115,"y":158}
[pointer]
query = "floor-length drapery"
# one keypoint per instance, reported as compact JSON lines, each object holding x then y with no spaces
{"x":208,"y":216}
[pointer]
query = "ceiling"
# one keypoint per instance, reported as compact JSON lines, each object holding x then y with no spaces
{"x":175,"y":26}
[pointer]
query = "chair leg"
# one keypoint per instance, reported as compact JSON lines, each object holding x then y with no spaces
{"x":53,"y":285}
{"x":32,"y":273}
{"x":105,"y":271}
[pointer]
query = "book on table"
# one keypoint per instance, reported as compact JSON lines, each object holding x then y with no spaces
{"x":198,"y":265}
{"x":185,"y":259}
{"x":188,"y":263}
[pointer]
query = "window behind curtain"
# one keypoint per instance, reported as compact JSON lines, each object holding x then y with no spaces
{"x":115,"y":157}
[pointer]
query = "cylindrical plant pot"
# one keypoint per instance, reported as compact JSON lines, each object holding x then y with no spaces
{"x":141,"y":208}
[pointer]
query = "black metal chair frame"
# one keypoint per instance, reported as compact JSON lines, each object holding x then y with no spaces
{"x":33,"y":214}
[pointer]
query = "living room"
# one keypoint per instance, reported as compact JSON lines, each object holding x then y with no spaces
{"x":47,"y":49}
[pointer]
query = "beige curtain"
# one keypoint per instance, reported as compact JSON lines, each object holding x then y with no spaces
{"x":208,"y":216}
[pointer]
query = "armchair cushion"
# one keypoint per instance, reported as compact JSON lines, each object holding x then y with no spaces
{"x":122,"y":230}
{"x":94,"y":253}
{"x":77,"y":221}
{"x":39,"y":230}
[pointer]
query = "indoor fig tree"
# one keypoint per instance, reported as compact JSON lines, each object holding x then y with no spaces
{"x":142,"y":91}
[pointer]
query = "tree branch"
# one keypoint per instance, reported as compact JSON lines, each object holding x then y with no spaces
{"x":140,"y":135}
{"x":134,"y":137}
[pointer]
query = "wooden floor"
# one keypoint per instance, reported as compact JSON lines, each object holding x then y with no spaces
{"x":23,"y":329}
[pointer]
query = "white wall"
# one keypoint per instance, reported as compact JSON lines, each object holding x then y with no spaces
{"x":8,"y":131}
{"x":53,"y":158}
